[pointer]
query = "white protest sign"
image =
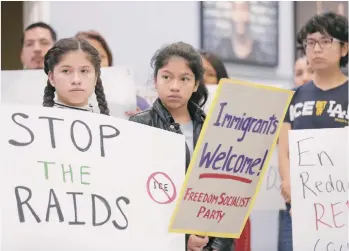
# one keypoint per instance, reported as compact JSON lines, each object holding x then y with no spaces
{"x":230,"y":159}
{"x":269,"y":197}
{"x":211,"y":93}
{"x":73,"y":180}
{"x":26,"y":87}
{"x":319,"y":183}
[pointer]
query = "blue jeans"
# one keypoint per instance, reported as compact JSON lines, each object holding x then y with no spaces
{"x":285,"y":230}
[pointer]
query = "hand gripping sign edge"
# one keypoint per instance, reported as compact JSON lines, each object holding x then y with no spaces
{"x":170,"y":198}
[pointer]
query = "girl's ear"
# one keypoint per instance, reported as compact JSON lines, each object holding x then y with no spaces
{"x":51,"y":79}
{"x":344,"y":51}
{"x":196,"y":86}
{"x":155,"y":83}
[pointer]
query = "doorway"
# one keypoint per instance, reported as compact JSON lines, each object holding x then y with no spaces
{"x":11,"y":33}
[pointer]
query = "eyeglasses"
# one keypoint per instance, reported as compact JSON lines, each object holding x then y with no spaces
{"x":324,"y":43}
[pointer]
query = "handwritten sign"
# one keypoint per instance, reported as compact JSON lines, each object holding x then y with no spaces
{"x":229,"y":161}
{"x":319,"y":183}
{"x":26,"y":87}
{"x":73,"y":180}
{"x":269,"y":197}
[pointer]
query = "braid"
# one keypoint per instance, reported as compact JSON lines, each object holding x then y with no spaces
{"x":100,"y":95}
{"x":49,"y":95}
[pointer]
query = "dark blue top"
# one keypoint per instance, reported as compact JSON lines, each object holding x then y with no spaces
{"x":313,"y":108}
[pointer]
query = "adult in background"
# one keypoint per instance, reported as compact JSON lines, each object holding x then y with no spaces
{"x":303,"y":72}
{"x":98,"y":41}
{"x":322,"y":102}
{"x":37,"y":39}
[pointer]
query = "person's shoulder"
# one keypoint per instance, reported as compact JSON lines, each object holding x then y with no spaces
{"x":143,"y":117}
{"x":344,"y":86}
{"x":309,"y":86}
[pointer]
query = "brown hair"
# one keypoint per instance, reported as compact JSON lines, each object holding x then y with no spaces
{"x":94,"y":35}
{"x":187,"y":52}
{"x":53,"y":57}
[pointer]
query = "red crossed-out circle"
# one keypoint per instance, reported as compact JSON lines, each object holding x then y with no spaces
{"x":170,"y":198}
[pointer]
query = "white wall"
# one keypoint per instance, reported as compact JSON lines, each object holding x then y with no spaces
{"x":135,"y":30}
{"x":34,"y":11}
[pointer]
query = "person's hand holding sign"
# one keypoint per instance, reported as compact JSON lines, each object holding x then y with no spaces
{"x":196,"y":243}
{"x":286,"y":190}
{"x":131,"y":113}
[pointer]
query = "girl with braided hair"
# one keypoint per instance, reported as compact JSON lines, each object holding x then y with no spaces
{"x":73,"y":69}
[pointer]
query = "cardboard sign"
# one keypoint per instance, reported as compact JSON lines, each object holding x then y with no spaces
{"x":73,"y":180}
{"x":229,"y":160}
{"x":319,"y":188}
{"x":26,"y":87}
{"x":269,"y":198}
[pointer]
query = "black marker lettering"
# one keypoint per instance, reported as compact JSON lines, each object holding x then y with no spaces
{"x":300,"y":153}
{"x":320,"y":157}
{"x":52,"y":131}
{"x":75,"y":222}
{"x":317,"y":242}
{"x":106,"y":204}
{"x":127,"y":201}
{"x":304,"y":181}
{"x":56,"y":205}
{"x":73,"y":138}
{"x":103,"y":136}
{"x":16,"y":143}
{"x":21,"y":203}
